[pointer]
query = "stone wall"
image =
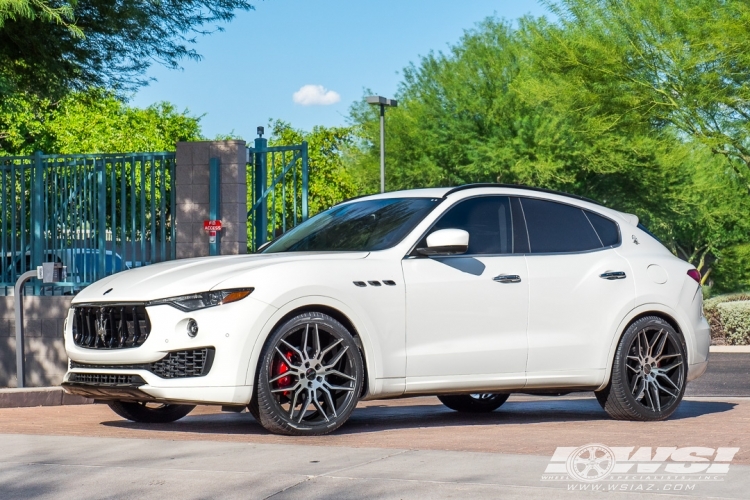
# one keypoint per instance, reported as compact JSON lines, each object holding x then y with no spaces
{"x":191,"y":185}
{"x":46,"y":361}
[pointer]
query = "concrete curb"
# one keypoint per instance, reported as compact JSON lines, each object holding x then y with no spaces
{"x":730,"y":348}
{"x":39,"y":396}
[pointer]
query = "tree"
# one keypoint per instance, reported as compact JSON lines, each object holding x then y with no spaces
{"x":91,"y":122}
{"x":110,"y":45}
{"x":491,"y":110}
{"x":682,"y":63}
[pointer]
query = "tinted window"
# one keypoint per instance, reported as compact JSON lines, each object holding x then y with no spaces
{"x":359,"y":226}
{"x":487,"y":220}
{"x":605,"y":228}
{"x":555,"y":227}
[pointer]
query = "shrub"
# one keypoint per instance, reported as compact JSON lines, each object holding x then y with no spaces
{"x":729,"y":317}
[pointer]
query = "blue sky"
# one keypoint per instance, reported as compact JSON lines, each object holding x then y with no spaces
{"x":250,"y":72}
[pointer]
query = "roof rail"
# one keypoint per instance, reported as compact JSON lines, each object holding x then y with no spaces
{"x":520,"y":186}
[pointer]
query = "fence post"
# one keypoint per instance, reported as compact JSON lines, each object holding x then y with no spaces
{"x":102,"y":218}
{"x":214,"y":201}
{"x":260,"y":220}
{"x":305,"y":181}
{"x":37,"y":215}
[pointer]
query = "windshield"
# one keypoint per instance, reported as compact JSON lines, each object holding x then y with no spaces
{"x":361,"y":226}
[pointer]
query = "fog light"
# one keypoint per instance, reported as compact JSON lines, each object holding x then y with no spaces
{"x":192,"y":328}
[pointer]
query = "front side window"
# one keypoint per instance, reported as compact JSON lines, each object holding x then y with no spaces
{"x":558,"y":228}
{"x":487,"y":219}
{"x":360,"y":226}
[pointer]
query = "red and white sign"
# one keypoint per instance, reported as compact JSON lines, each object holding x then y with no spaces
{"x":212,"y":226}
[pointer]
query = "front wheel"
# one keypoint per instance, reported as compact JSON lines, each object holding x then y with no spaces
{"x":649,"y":372}
{"x":150,"y":413}
{"x":309,"y":377}
{"x":474,"y":403}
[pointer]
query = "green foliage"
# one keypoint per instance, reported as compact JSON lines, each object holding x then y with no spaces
{"x":716,"y":312}
{"x":91,"y":122}
{"x":735,"y":320}
{"x":515,"y":106}
{"x":110,"y":44}
{"x":732,"y":270}
{"x":330,"y":181}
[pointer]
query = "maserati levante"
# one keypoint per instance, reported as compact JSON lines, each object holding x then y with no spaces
{"x":469,"y":293}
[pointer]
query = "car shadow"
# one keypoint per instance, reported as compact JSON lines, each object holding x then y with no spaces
{"x":374,"y":417}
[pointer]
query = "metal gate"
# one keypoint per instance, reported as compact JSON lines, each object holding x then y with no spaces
{"x":278,"y":185}
{"x":96,"y":213}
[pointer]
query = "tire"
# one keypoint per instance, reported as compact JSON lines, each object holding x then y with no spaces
{"x":474,"y":403}
{"x":150,"y":413}
{"x":649,"y":372}
{"x":309,"y":378}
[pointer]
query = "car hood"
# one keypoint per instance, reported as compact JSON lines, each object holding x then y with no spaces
{"x":185,"y":276}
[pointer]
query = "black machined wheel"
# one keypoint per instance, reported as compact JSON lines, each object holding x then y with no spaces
{"x":150,"y":413}
{"x":649,"y":373}
{"x":474,"y":403}
{"x":309,"y":377}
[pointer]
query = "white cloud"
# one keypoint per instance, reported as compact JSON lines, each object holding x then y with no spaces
{"x":315,"y":95}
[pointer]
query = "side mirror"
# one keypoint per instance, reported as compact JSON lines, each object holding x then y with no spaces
{"x":446,"y":242}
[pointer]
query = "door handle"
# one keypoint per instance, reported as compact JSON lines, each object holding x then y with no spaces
{"x":613,"y":275}
{"x":507,"y":278}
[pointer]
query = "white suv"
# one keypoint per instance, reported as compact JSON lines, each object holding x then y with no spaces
{"x":469,"y":293}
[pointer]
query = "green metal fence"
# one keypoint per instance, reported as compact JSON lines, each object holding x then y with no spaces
{"x":96,"y":213}
{"x":278,"y":186}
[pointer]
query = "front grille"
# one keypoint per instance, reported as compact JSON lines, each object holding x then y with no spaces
{"x":110,"y":326}
{"x":108,"y":379}
{"x":176,"y":364}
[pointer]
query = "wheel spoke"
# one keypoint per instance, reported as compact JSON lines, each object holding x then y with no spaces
{"x":663,"y":389}
{"x":286,"y":389}
{"x":305,"y":404}
{"x":660,"y":345}
{"x":339,"y":374}
{"x":290,"y":346}
{"x":285,"y":374}
{"x":638,"y":384}
{"x":647,"y":395}
{"x":337,"y":358}
{"x":317,"y":405}
{"x":293,"y":405}
{"x":636,"y":370}
{"x":655,"y":392}
{"x":316,"y":342}
{"x":671,"y":367}
{"x":665,"y":377}
{"x":286,"y":360}
{"x":338,"y":387}
{"x":329,"y":400}
{"x":328,"y":349}
{"x":304,"y":338}
{"x":668,"y":356}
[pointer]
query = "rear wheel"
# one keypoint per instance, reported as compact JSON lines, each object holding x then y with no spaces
{"x":474,"y":403}
{"x":649,"y":373}
{"x":309,"y":377}
{"x":150,"y":413}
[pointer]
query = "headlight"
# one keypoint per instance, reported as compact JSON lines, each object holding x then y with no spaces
{"x":202,"y":300}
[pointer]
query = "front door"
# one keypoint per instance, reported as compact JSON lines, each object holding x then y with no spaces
{"x":466,"y":315}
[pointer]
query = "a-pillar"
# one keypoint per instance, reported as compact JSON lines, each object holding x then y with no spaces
{"x":193,"y":197}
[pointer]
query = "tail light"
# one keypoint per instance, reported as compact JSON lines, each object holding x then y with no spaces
{"x":696,"y":275}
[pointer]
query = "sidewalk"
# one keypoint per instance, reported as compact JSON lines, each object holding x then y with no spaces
{"x":39,"y":396}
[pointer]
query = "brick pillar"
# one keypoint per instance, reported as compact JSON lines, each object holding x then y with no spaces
{"x":192,"y":191}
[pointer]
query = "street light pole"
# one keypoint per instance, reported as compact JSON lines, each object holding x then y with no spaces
{"x":382,"y":102}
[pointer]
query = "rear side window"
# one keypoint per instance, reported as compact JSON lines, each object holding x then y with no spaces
{"x":558,"y":228}
{"x":487,"y":219}
{"x":607,"y":230}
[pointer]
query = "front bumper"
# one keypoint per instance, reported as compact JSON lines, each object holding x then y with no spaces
{"x":229,"y":331}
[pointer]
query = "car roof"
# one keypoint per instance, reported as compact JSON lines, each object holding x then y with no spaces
{"x":445,"y":191}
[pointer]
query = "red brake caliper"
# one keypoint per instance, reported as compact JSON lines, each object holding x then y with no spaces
{"x":280,"y":369}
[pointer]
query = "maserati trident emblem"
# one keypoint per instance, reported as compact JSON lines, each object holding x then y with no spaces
{"x":101,"y":327}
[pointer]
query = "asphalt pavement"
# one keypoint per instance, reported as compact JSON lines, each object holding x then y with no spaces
{"x":728,"y":374}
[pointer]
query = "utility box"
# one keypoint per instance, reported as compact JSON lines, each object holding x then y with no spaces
{"x":52,"y":272}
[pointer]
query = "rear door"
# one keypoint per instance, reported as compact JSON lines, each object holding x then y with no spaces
{"x":579,"y":289}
